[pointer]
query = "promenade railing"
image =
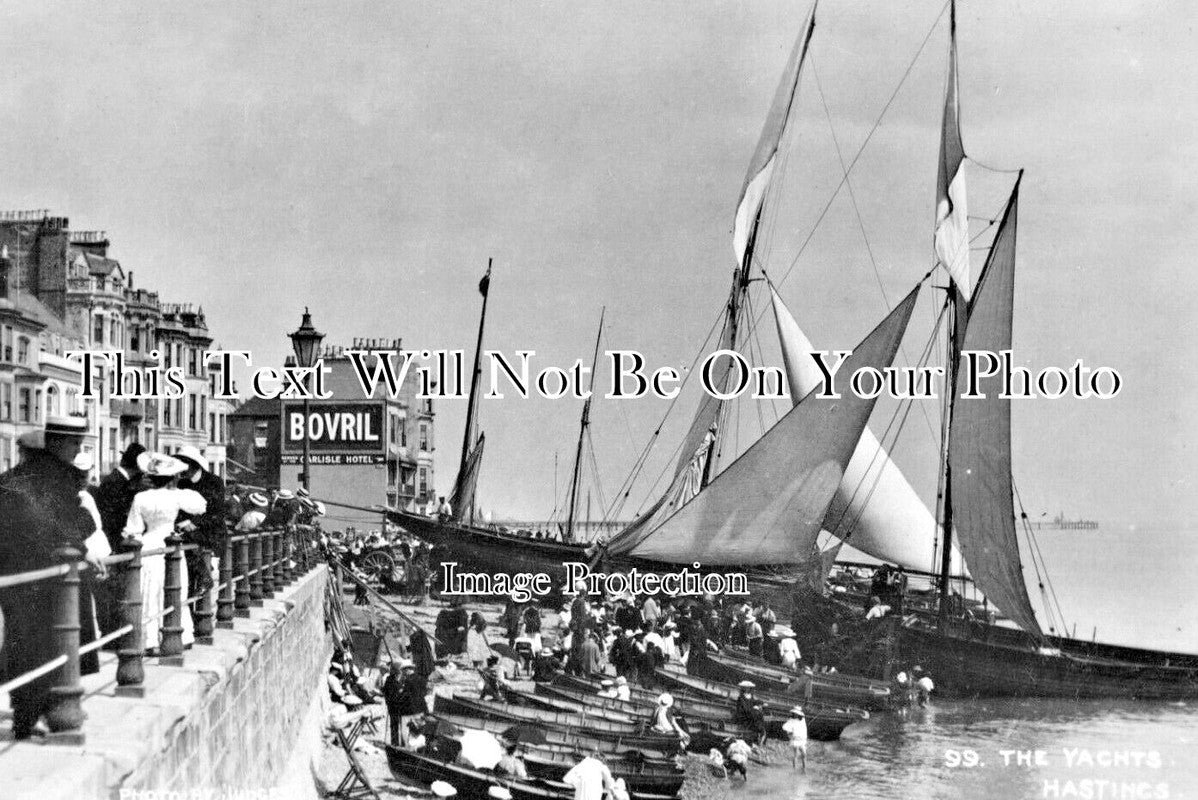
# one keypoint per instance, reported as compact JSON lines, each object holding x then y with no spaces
{"x":253,"y":565}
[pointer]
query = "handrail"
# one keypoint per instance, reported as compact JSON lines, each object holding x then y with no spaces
{"x":290,"y":555}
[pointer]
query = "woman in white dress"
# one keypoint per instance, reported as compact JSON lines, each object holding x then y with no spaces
{"x":152,"y":519}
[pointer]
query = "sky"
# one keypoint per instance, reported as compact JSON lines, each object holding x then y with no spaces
{"x":367,"y":159}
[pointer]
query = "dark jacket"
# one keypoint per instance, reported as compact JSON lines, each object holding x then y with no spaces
{"x":114,"y":498}
{"x":411,"y":696}
{"x":39,"y":512}
{"x":451,"y":640}
{"x":210,"y":526}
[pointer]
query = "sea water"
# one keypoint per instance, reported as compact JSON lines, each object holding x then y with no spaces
{"x":1122,"y":585}
{"x":999,"y":749}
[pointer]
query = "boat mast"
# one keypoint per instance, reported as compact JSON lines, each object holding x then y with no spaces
{"x":951,"y":244}
{"x":740,"y":285}
{"x":582,"y":432}
{"x":471,"y":407}
{"x":946,"y":525}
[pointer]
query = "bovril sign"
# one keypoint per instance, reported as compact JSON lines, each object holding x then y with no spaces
{"x":335,"y":427}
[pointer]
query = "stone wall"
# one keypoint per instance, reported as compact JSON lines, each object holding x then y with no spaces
{"x":242,"y":716}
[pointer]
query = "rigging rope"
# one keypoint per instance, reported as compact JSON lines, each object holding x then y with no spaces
{"x":864,"y":144}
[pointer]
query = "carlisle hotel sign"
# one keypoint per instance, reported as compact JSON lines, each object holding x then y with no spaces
{"x":337,"y":433}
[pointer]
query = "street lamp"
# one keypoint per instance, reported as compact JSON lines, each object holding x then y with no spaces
{"x":306,"y":343}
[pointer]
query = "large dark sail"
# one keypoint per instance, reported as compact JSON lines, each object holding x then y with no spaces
{"x":979,"y":445}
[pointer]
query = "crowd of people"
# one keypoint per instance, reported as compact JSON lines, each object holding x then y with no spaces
{"x":46,"y":503}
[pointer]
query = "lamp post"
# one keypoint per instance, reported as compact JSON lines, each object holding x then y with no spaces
{"x":306,"y":343}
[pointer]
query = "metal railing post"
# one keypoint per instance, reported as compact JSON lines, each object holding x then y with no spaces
{"x":241,"y":597}
{"x":224,"y":605}
{"x":130,"y":671}
{"x":268,"y":567}
{"x":283,"y":549}
{"x":256,"y":570}
{"x":202,"y":616}
{"x":171,"y":647}
{"x":65,"y":714}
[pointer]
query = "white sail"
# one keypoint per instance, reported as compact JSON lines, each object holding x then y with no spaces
{"x":766,"y":508}
{"x":875,"y":509}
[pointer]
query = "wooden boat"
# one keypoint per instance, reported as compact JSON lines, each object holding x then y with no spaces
{"x":637,"y":776}
{"x":568,"y":741}
{"x":474,"y":783}
{"x":703,"y":700}
{"x":825,"y":722}
{"x":847,"y":689}
{"x":622,"y":735}
{"x":716,"y":720}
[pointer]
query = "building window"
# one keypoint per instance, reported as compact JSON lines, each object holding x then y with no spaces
{"x":98,"y":332}
{"x":37,"y":406}
{"x":5,"y":454}
{"x":6,"y":342}
{"x":423,"y":436}
{"x":72,"y":401}
{"x":261,"y":431}
{"x":135,"y":339}
{"x":191,"y":412}
{"x":423,"y":482}
{"x":6,"y":401}
{"x":25,"y":408}
{"x":23,"y":350}
{"x":52,"y":408}
{"x":193,"y":361}
{"x":166,"y":413}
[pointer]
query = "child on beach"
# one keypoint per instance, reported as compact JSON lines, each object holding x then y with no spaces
{"x":796,"y":729}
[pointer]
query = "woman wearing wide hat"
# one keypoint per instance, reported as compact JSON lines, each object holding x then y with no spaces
{"x":152,"y":520}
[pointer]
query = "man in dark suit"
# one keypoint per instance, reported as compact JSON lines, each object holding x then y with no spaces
{"x":40,"y":511}
{"x":114,"y":497}
{"x":207,"y":529}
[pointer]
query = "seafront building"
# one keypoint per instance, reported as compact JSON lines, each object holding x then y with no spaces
{"x":62,"y":291}
{"x":366,"y":451}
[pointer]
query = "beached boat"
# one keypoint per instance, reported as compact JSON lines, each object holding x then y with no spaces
{"x":622,"y":735}
{"x":715,"y":714}
{"x":832,"y":688}
{"x":825,"y":722}
{"x":475,"y":783}
{"x":570,"y":741}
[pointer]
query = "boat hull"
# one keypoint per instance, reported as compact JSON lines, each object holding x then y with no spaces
{"x":979,"y":666}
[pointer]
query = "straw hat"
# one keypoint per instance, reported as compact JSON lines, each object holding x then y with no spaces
{"x":258,"y":500}
{"x":797,"y":711}
{"x":66,"y":426}
{"x":192,"y":453}
{"x":443,"y":789}
{"x":747,"y":685}
{"x":285,"y":494}
{"x":164,"y":466}
{"x":84,"y":462}
{"x":665,"y":699}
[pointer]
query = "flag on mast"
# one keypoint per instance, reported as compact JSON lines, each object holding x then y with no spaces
{"x":485,"y":283}
{"x":761,"y":168}
{"x":951,"y":238}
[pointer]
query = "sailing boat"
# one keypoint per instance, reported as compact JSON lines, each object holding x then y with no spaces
{"x":972,"y":656}
{"x":458,"y":537}
{"x":768,"y":506}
